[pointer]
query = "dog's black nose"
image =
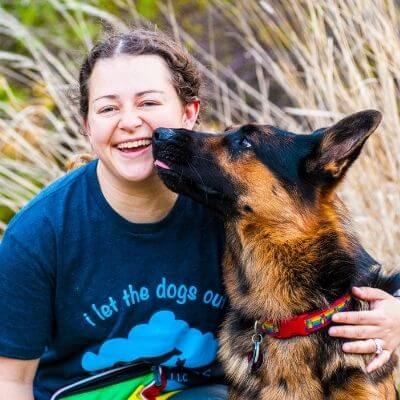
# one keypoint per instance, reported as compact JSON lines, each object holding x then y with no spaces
{"x":161,"y":134}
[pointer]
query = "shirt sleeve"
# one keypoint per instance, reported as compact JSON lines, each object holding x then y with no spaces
{"x":26,"y":295}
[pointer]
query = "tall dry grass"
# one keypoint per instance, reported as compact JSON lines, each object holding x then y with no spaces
{"x":309,"y":62}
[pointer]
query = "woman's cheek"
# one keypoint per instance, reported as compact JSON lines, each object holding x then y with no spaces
{"x":167,"y":118}
{"x":103,"y":131}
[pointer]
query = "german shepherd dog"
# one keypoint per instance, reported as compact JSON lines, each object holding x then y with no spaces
{"x":289,"y":253}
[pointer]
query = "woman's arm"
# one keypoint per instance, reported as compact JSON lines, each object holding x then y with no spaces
{"x":16,"y":378}
{"x":381,"y":322}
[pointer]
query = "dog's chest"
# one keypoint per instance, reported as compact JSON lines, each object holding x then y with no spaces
{"x":291,"y":368}
{"x":283,"y":378}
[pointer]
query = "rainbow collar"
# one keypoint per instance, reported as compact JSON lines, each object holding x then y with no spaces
{"x":307,"y":323}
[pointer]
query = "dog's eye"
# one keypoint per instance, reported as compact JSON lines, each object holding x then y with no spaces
{"x":243,"y":142}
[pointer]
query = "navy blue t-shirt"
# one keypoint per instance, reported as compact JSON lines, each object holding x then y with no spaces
{"x":84,"y":289}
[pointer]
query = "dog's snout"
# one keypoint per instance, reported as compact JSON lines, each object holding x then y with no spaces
{"x":162,"y":134}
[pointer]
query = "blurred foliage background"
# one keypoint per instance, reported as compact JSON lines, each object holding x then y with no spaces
{"x":299,"y":64}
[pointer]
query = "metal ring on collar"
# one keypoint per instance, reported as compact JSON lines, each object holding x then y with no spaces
{"x":257,"y":338}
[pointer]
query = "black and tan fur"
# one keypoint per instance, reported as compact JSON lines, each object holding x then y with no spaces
{"x":289,"y":249}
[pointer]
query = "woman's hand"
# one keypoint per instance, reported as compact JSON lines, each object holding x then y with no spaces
{"x":381,"y":322}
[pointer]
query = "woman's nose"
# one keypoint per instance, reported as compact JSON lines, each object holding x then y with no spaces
{"x":130,"y":120}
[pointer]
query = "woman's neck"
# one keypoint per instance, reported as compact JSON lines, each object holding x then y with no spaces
{"x":138,"y":202}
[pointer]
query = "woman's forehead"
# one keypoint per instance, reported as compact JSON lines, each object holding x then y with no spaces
{"x":136,"y":74}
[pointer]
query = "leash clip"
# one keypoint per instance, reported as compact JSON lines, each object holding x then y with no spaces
{"x":256,"y":357}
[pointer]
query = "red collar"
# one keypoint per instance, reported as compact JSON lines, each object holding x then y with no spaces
{"x":307,"y":323}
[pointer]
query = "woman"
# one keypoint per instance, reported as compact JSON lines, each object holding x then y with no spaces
{"x":106,"y":266}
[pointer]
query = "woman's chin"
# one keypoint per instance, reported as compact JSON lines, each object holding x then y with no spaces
{"x":138,"y":174}
{"x":128,"y":172}
{"x":133,"y":170}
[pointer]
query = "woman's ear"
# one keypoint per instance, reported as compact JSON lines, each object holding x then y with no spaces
{"x":87,"y":132}
{"x":190,"y":114}
{"x":86,"y":128}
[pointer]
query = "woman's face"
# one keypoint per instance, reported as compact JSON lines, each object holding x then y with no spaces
{"x":129,"y":97}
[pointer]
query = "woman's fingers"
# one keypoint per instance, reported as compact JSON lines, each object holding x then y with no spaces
{"x":369,"y":293}
{"x":379,"y":360}
{"x":361,"y":346}
{"x":354,"y":331}
{"x":370,"y":317}
{"x":369,"y":346}
{"x":381,"y":322}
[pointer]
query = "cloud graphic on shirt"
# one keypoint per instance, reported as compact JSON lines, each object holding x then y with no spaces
{"x":162,"y":335}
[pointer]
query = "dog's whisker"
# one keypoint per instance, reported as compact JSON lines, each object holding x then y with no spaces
{"x":196,"y":172}
{"x":202,"y":158}
{"x":201,"y":179}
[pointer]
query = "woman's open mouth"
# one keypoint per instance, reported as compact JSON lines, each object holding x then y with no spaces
{"x":134,"y":147}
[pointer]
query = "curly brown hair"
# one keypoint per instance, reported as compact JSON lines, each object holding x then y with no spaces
{"x":185,"y":74}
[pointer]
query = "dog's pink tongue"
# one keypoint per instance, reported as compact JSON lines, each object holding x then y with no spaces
{"x":161,"y":164}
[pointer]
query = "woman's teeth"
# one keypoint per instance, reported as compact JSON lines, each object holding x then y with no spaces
{"x":134,"y":144}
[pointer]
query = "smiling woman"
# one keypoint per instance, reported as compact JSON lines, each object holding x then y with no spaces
{"x":105,"y":254}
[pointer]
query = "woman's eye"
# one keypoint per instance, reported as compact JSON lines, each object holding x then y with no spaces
{"x":149,"y":103}
{"x":243,"y":142}
{"x":107,"y":109}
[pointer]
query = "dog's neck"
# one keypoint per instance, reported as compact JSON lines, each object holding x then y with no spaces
{"x":283,"y":276}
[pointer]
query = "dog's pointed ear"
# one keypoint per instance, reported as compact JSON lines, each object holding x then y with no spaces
{"x":337,"y":147}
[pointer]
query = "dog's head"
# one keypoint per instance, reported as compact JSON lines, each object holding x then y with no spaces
{"x":260,"y":170}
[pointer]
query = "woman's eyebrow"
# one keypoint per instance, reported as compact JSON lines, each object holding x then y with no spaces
{"x":107,"y":96}
{"x":139,"y":94}
{"x":148,"y":91}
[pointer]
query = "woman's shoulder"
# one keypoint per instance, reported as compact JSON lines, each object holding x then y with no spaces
{"x":53,"y":198}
